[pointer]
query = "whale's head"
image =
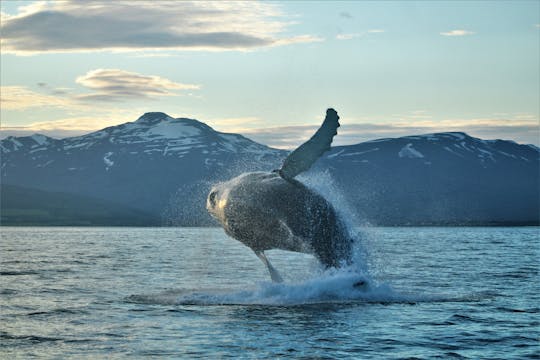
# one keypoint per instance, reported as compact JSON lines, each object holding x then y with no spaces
{"x":237,"y":199}
{"x":216,"y":202}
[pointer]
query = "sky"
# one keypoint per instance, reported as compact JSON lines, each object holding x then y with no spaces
{"x":269,"y":70}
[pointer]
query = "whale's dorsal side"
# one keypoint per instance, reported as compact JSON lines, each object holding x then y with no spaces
{"x":305,"y":155}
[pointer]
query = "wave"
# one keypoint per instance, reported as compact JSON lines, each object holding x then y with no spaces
{"x":332,"y":287}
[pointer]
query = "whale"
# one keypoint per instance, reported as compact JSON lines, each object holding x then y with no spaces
{"x":273,"y":210}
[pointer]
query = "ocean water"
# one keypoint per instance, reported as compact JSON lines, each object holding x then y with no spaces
{"x":195,"y":293}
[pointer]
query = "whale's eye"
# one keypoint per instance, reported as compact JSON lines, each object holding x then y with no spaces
{"x":212,"y":198}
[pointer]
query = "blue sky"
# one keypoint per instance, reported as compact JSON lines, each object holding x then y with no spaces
{"x":269,"y":70}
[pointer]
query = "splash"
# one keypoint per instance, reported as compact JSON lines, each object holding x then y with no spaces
{"x":353,"y":283}
{"x":324,"y":184}
{"x":349,"y":284}
{"x":332,"y":287}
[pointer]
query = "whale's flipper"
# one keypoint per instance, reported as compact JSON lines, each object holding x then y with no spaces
{"x":273,"y":272}
{"x":306,"y":154}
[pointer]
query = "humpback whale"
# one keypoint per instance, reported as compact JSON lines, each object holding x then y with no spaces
{"x":273,"y":210}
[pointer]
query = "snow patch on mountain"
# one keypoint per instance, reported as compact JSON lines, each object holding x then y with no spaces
{"x":13,"y":143}
{"x":464,"y":145}
{"x":76,"y":145}
{"x":507,"y":154}
{"x":409,"y":152}
{"x":484,"y":154}
{"x":45,"y":164}
{"x":37,"y":149}
{"x":360,"y":152}
{"x":431,"y":137}
{"x":108,"y":162}
{"x":380,"y":140}
{"x":173,"y":130}
{"x":40,"y":139}
{"x":331,"y":156}
{"x":459,"y":135}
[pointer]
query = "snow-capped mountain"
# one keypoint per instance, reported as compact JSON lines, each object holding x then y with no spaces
{"x":147,"y":164}
{"x":153,"y":134}
{"x":443,"y":178}
{"x":165,"y":166}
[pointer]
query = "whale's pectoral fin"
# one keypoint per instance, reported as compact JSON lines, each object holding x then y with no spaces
{"x":273,"y":272}
{"x":306,"y":154}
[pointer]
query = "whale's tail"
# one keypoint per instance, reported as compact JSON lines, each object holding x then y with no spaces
{"x":305,"y":155}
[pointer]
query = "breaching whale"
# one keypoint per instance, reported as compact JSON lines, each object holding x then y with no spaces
{"x":272,"y":210}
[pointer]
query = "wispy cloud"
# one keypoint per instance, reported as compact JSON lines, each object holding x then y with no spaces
{"x":118,"y":85}
{"x":59,"y":128}
{"x":68,"y":26}
{"x":524,"y":130}
{"x":20,"y":98}
{"x":234,"y":124}
{"x":74,"y":125}
{"x":458,"y":32}
{"x":349,"y":36}
{"x":111,"y":85}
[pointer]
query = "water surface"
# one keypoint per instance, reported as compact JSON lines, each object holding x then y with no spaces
{"x":195,"y":293}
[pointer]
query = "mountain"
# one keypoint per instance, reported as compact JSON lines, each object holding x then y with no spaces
{"x":436,"y":179}
{"x":164,"y":167}
{"x":156,"y":164}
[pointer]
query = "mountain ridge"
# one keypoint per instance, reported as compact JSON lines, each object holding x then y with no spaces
{"x":151,"y":118}
{"x":164,"y":166}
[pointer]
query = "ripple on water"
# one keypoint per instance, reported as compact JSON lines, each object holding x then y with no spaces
{"x":18,"y":272}
{"x":66,"y":293}
{"x":20,"y":340}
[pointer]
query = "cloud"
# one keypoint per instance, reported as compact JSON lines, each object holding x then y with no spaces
{"x":76,"y":25}
{"x":111,"y":85}
{"x":296,"y":40}
{"x":349,"y":36}
{"x":521,"y":129}
{"x":346,"y":15}
{"x":233,"y":124}
{"x":117,"y":85}
{"x":74,"y":125}
{"x":20,"y":98}
{"x":457,"y":33}
{"x":59,"y":128}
